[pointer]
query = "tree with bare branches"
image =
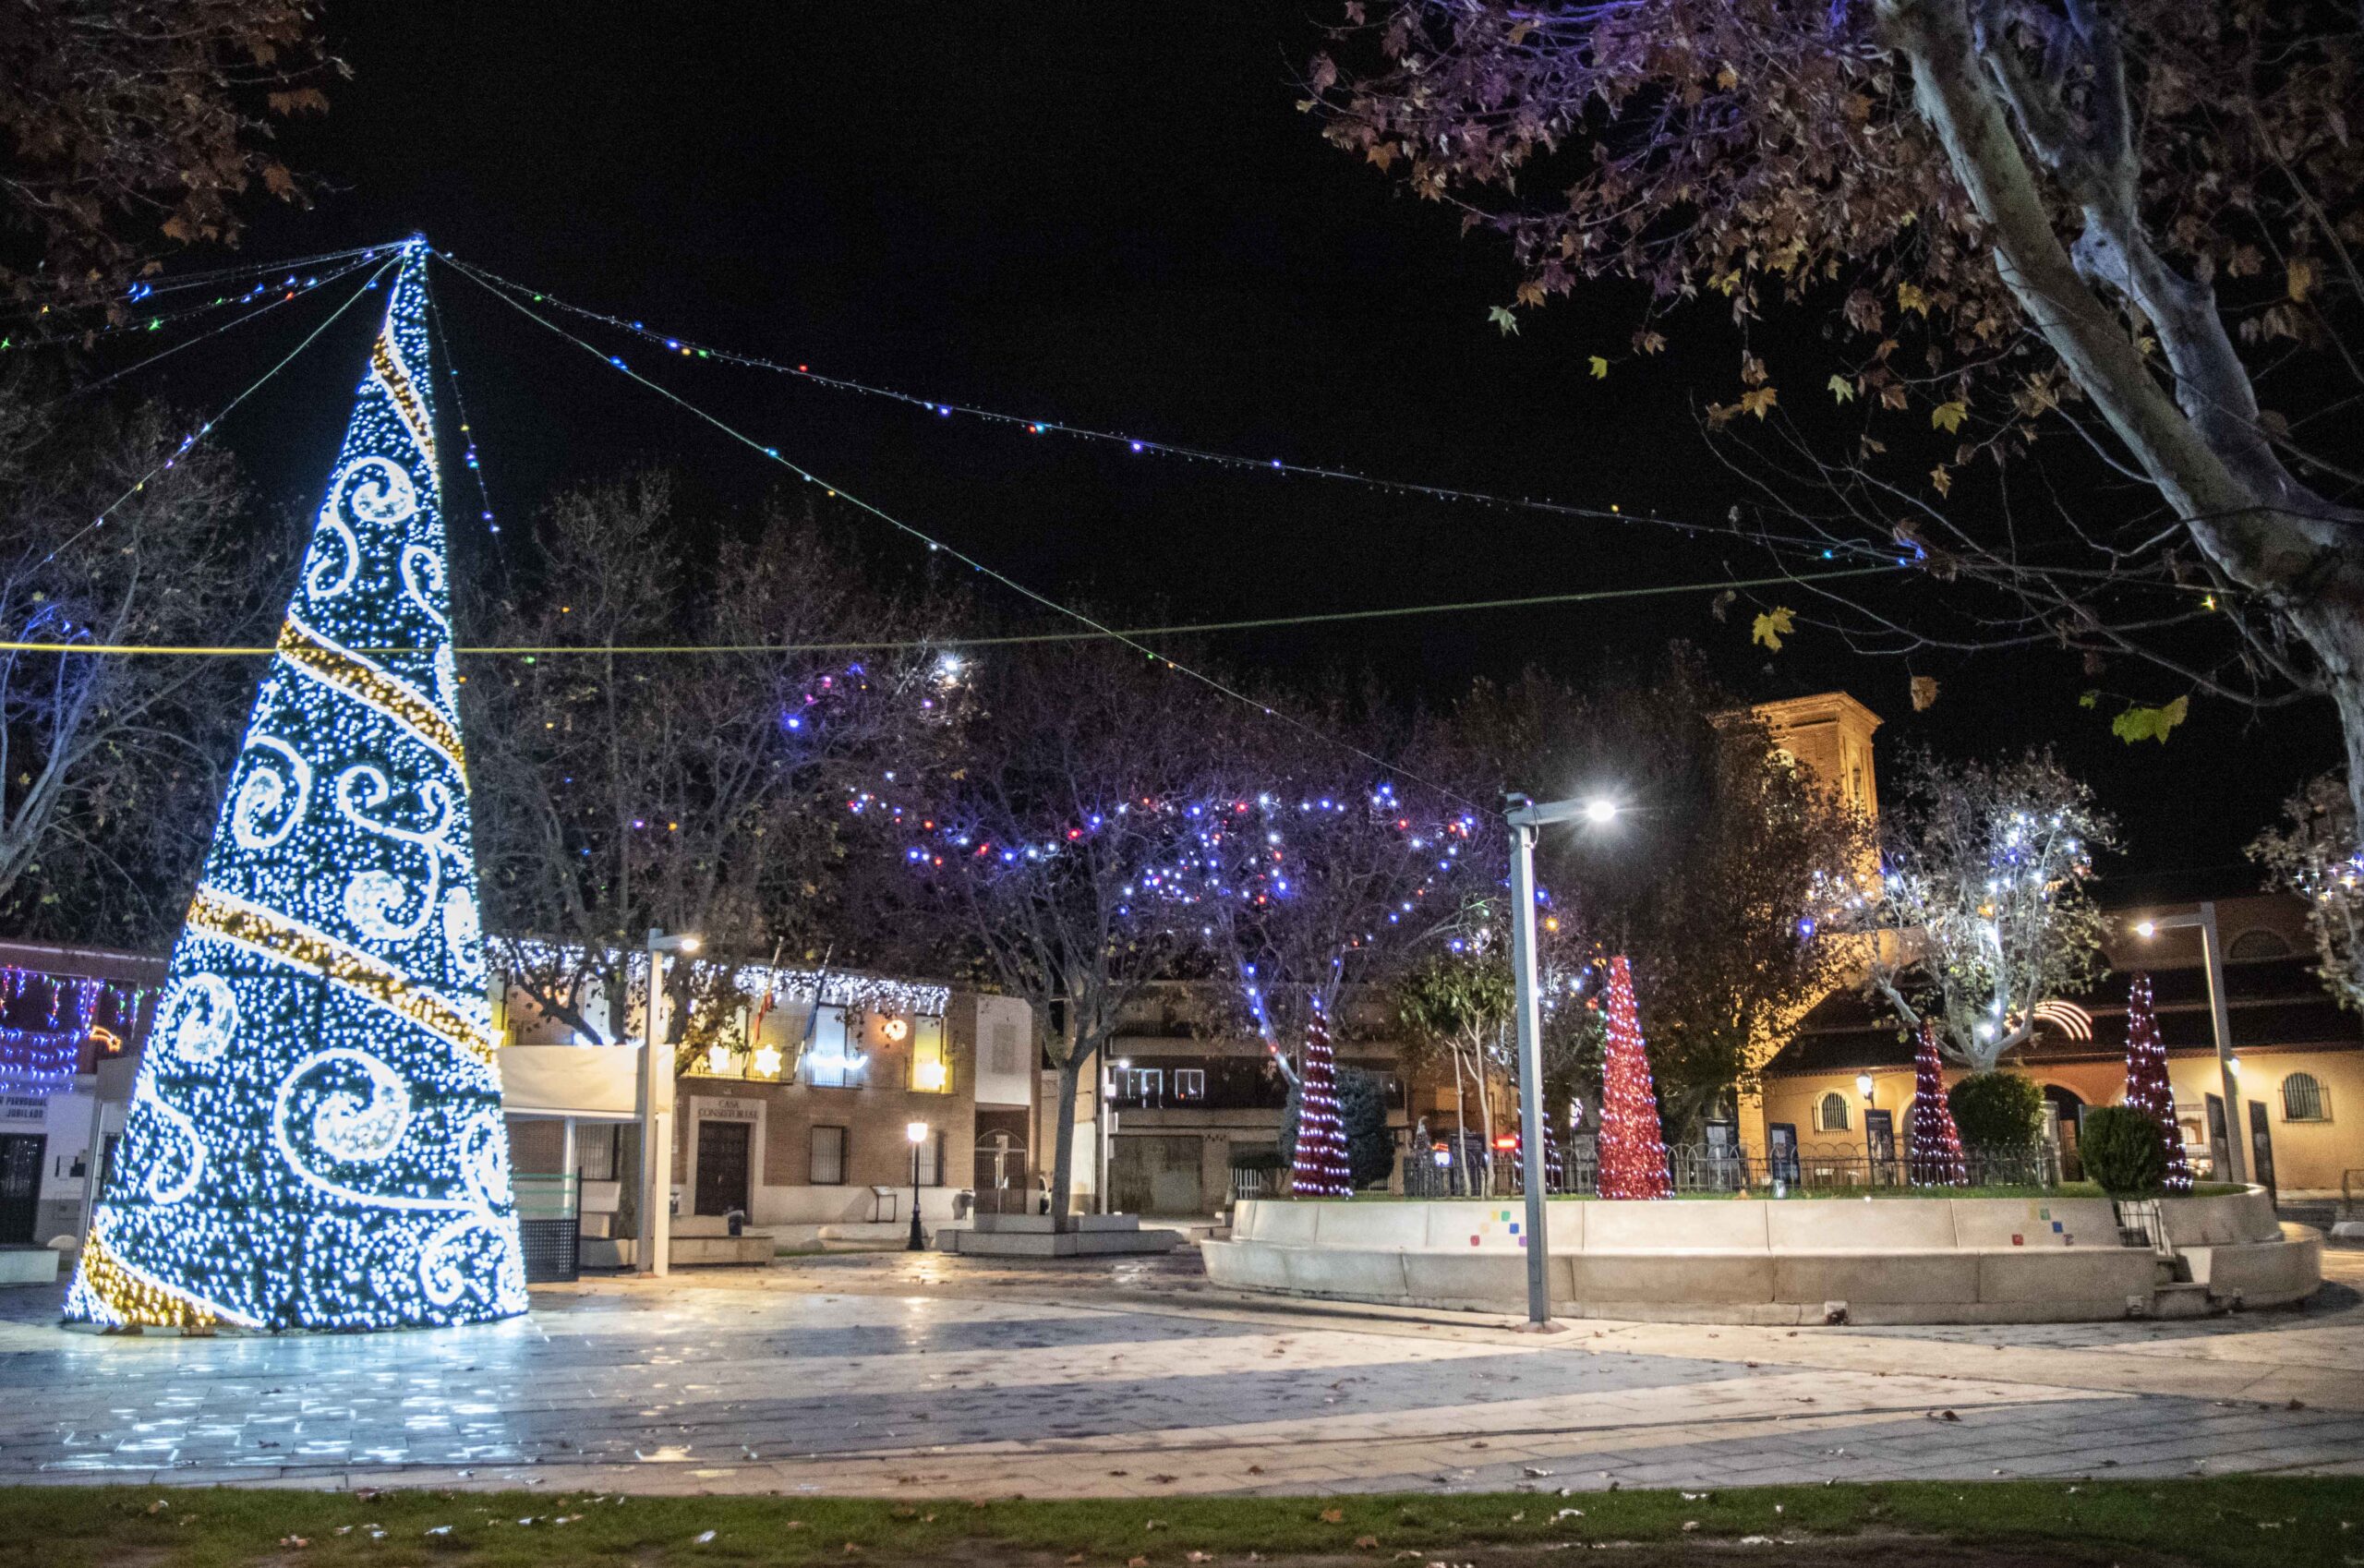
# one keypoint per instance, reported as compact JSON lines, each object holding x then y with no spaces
{"x":705,"y":791}
{"x":1064,"y":855}
{"x":110,"y":763}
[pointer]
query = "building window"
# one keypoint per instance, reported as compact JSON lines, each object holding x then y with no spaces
{"x":929,"y":1153}
{"x":828,"y":1156}
{"x":2303,"y":1099}
{"x":1189,"y":1083}
{"x":829,"y":1063}
{"x":931,"y":1066}
{"x":2257,"y":943}
{"x":1140,"y":1086}
{"x":1831,"y":1113}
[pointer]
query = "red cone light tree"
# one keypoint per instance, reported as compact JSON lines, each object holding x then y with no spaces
{"x":2146,"y":1081}
{"x":1632,"y":1150}
{"x":1320,"y":1170}
{"x":1933,"y":1147}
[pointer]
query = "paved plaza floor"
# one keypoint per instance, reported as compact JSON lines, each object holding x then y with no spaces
{"x":920,"y":1374}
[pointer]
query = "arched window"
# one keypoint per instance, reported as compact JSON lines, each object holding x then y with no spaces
{"x":2257,"y":943}
{"x":2303,"y":1099}
{"x":1831,"y":1113}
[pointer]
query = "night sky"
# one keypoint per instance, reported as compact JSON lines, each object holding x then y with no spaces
{"x":1057,"y":213}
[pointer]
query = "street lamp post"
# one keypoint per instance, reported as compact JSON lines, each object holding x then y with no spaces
{"x":1526,"y":820}
{"x":656,"y":1115}
{"x":917,"y":1133}
{"x":2212,"y":963}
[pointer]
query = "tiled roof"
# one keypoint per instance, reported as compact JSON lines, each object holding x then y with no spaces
{"x":2272,"y":1001}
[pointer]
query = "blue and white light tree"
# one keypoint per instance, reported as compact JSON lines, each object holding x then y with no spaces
{"x":315,"y":1140}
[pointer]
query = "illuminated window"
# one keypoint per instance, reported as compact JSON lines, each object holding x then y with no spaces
{"x":829,"y":1061}
{"x":931,"y":1065}
{"x":2303,"y":1099}
{"x":1189,"y":1083}
{"x":1140,"y":1086}
{"x":1831,"y":1113}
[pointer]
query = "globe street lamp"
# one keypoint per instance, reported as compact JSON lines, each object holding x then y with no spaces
{"x":1526,"y":820}
{"x":656,"y":1115}
{"x":917,"y":1133}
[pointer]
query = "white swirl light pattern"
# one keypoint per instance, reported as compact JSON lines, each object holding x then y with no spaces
{"x":315,"y":1140}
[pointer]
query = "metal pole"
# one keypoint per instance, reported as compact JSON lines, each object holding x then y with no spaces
{"x":1531,"y":1069}
{"x":656,"y":1130}
{"x":919,"y":1241}
{"x":2212,"y":960}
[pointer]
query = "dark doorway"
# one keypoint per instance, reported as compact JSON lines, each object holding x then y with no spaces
{"x":2219,"y":1142}
{"x":722,"y":1166}
{"x":21,"y":1157}
{"x":2261,"y":1149}
{"x":1879,"y":1145}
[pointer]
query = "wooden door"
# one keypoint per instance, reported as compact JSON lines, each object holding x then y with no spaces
{"x":722,"y":1167}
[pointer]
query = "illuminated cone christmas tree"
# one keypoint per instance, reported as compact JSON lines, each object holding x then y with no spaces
{"x":1633,"y":1148}
{"x":1320,"y":1168}
{"x":1933,"y":1147}
{"x":315,"y":1139}
{"x":2146,"y":1081}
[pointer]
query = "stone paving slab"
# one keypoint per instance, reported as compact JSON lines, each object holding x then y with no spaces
{"x":890,"y":1374}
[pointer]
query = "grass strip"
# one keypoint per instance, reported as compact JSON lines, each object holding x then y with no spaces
{"x":2235,"y":1522}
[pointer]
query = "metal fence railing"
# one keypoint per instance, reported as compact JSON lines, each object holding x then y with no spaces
{"x":1697,"y":1168}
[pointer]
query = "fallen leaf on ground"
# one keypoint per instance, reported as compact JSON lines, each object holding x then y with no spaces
{"x":1333,"y":1516}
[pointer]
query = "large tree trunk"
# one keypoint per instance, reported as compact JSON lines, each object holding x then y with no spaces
{"x":1063,"y":1152}
{"x":2203,"y":443}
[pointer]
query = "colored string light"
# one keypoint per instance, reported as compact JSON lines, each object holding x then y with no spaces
{"x":315,"y":1138}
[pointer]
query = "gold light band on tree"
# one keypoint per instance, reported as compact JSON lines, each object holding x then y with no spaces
{"x":355,"y":676}
{"x":137,"y":1297}
{"x":291,"y":942}
{"x":386,"y":363}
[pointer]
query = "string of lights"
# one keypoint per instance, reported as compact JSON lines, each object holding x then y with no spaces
{"x":281,"y":298}
{"x":149,"y":321}
{"x":147,"y":288}
{"x":189,"y":442}
{"x":954,"y":640}
{"x":899,"y":524}
{"x":943,"y":408}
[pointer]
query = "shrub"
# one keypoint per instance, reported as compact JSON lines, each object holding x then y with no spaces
{"x":2121,"y":1150}
{"x":1996,"y":1110}
{"x":1370,"y":1147}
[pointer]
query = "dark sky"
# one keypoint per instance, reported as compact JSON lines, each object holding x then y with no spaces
{"x":1111,"y":216}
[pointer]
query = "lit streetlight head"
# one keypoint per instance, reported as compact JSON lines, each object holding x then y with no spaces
{"x":691,"y":944}
{"x":1863,"y":1085}
{"x":915,"y":1131}
{"x":1600,"y":810}
{"x":2147,"y":929}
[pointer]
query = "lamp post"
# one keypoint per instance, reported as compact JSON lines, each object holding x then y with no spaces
{"x":917,"y":1133}
{"x":1526,"y":820}
{"x":656,"y":1115}
{"x":1864,"y":1086}
{"x":2212,"y":963}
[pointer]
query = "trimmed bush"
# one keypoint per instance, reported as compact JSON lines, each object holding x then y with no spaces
{"x":1996,"y":1110}
{"x":2121,"y":1151}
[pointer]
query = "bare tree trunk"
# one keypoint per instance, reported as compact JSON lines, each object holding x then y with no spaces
{"x":2204,"y":443}
{"x":1486,"y":1114}
{"x":1460,"y":1124}
{"x":1063,"y":1150}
